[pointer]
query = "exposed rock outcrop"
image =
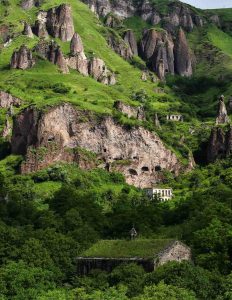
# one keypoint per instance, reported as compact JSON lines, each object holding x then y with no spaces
{"x":157,"y":49}
{"x":130,"y":111}
{"x":222,"y":117}
{"x":57,"y":22}
{"x":99,"y":71}
{"x":27,"y":30}
{"x":130,"y":39}
{"x":7,"y":100}
{"x":22,"y":59}
{"x":215,"y":20}
{"x":52,"y":52}
{"x":183,"y":58}
{"x":40,"y":28}
{"x":113,"y":21}
{"x":178,"y":14}
{"x":120,"y":46}
{"x":7,"y":128}
{"x":61,"y":129}
{"x":220,"y":144}
{"x":27,"y":4}
{"x":76,"y":45}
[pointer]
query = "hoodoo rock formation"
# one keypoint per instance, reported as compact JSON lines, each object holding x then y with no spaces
{"x":61,"y":130}
{"x":164,"y":54}
{"x":157,"y":49}
{"x":120,"y":46}
{"x":222,"y":117}
{"x":22,"y":59}
{"x":57,"y":22}
{"x":27,"y":30}
{"x":220,"y":144}
{"x":183,"y":59}
{"x":129,"y":38}
{"x":52,"y":52}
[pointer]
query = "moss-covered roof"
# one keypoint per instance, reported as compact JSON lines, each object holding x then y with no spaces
{"x":142,"y":248}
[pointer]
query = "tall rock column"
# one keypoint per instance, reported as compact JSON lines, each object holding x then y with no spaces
{"x":130,"y":40}
{"x":22,"y":59}
{"x":222,"y":116}
{"x":60,"y":22}
{"x":183,"y":59}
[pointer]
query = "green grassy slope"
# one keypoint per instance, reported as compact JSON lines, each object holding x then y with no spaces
{"x":85,"y":92}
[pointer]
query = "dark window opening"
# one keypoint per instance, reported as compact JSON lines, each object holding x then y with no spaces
{"x":157,"y":168}
{"x":145,"y":169}
{"x":133,"y":172}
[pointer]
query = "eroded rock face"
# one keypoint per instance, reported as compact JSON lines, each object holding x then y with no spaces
{"x":27,"y":30}
{"x":27,"y":4}
{"x":178,"y":14}
{"x":99,"y":71}
{"x":120,"y":46}
{"x":7,"y":128}
{"x":40,"y":28}
{"x":135,"y":112}
{"x":22,"y":59}
{"x":157,"y":49}
{"x":130,"y":40}
{"x":183,"y":58}
{"x":57,"y":22}
{"x":60,"y":23}
{"x":220,"y":144}
{"x":222,"y":117}
{"x":62,"y":129}
{"x":7,"y":100}
{"x":52,"y":52}
{"x":76,"y":45}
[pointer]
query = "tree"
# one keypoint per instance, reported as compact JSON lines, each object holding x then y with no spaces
{"x":130,"y":275}
{"x":163,"y":291}
{"x":21,"y":282}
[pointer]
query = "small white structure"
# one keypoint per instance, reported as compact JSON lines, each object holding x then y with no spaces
{"x":175,"y":118}
{"x":165,"y":194}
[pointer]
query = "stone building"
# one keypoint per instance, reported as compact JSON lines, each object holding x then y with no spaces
{"x":108,"y":254}
{"x":175,"y":118}
{"x":164,"y":194}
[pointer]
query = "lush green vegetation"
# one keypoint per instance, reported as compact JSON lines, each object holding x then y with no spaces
{"x":49,"y":218}
{"x":146,"y":248}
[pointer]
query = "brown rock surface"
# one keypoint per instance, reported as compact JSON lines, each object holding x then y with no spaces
{"x":27,"y":30}
{"x":219,"y":145}
{"x":130,"y":40}
{"x":76,"y":45}
{"x":7,"y":100}
{"x":59,"y":22}
{"x":183,"y":58}
{"x":222,"y":117}
{"x":22,"y":58}
{"x":62,"y":129}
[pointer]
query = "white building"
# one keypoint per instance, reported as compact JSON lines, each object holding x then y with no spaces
{"x":175,"y":118}
{"x":165,"y":194}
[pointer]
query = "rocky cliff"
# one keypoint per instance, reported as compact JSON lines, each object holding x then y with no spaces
{"x":57,"y":22}
{"x":177,"y":13}
{"x":165,"y":53}
{"x":45,"y":138}
{"x":22,"y":58}
{"x":220,"y":144}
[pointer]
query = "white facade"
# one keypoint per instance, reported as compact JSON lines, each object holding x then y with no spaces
{"x":176,"y":118}
{"x":165,"y":194}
